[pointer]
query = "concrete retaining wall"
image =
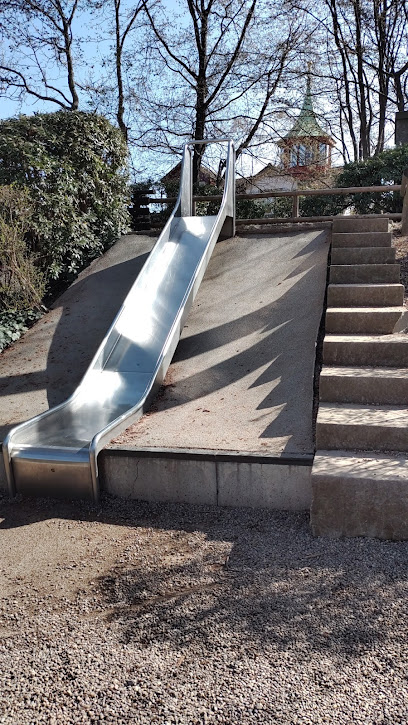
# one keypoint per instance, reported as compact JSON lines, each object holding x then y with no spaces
{"x":208,"y":478}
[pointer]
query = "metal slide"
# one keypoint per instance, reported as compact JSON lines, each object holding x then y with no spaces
{"x":56,"y":453}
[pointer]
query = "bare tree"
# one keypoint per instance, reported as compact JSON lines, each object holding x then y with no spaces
{"x":221,"y":68}
{"x":123,"y":27}
{"x":364,"y":59}
{"x":115,"y":27}
{"x":37,"y":57}
{"x":389,"y":35}
{"x":385,"y":55}
{"x":218,"y":67}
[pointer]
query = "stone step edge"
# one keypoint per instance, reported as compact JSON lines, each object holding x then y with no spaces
{"x":367,"y":250}
{"x":344,"y":414}
{"x":368,"y":265}
{"x":375,"y":233}
{"x":335,"y":464}
{"x":387,"y":316}
{"x":348,"y":243}
{"x":361,"y":249}
{"x":362,"y":371}
{"x":360,"y":494}
{"x":365,"y":285}
{"x":365,"y":310}
{"x":398,"y":338}
{"x":360,"y":232}
{"x":382,"y":294}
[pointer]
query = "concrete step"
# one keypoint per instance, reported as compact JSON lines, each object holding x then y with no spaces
{"x":380,"y":386}
{"x":359,"y":495}
{"x":386,"y":350}
{"x":361,"y":427}
{"x":363,"y":255}
{"x":360,"y":224}
{"x":362,"y":320}
{"x":365,"y":295}
{"x":364,"y":273}
{"x":361,"y":239}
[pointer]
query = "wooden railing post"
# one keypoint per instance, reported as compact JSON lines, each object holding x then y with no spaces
{"x":404,"y":194}
{"x":295,"y":206}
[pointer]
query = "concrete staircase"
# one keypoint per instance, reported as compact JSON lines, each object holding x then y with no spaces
{"x":360,"y":472}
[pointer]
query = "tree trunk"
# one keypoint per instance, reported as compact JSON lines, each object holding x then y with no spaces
{"x":120,"y":112}
{"x":70,"y":64}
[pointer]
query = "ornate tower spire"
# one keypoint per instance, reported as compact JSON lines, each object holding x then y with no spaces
{"x":307,"y":147}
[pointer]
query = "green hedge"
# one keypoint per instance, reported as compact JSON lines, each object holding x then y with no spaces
{"x":381,"y":170}
{"x":386,"y":168}
{"x":74,"y":166}
{"x":323,"y":205}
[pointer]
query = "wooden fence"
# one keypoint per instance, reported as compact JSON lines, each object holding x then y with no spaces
{"x":295,"y":196}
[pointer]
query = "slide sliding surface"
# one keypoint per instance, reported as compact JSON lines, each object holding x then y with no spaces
{"x":56,"y":452}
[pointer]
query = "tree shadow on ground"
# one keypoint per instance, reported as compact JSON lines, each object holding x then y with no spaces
{"x":192,"y":576}
{"x":266,"y":580}
{"x":283,"y":352}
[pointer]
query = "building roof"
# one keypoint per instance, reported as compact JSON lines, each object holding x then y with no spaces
{"x":205,"y":174}
{"x":306,"y":125}
{"x":268,"y":172}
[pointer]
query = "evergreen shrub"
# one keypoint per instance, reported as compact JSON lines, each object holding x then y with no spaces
{"x":74,"y":166}
{"x":324,"y":205}
{"x":251,"y":208}
{"x":381,"y":170}
{"x":386,"y":168}
{"x":14,"y":323}
{"x":282,"y":206}
{"x":22,"y":284}
{"x":244,"y":208}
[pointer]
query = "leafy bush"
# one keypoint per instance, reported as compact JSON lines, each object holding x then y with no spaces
{"x":204,"y":208}
{"x":74,"y":166}
{"x":251,"y":208}
{"x":386,"y":168}
{"x":282,"y":206}
{"x":245,"y":208}
{"x":170,"y":187}
{"x":139,"y":213}
{"x":323,"y":205}
{"x":21,"y":282}
{"x":14,"y":323}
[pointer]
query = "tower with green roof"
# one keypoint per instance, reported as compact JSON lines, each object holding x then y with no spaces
{"x":306,"y":149}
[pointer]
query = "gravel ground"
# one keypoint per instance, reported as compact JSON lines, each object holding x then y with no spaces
{"x":166,"y":614}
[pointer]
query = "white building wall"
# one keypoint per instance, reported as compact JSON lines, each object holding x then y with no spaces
{"x":270,"y":183}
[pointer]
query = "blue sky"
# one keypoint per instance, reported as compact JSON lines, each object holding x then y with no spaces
{"x":84,"y":20}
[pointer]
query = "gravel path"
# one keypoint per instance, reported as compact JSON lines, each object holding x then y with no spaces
{"x":164,"y":614}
